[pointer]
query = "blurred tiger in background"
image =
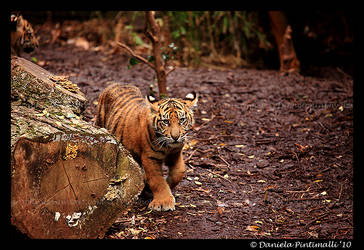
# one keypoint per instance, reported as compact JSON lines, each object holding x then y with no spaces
{"x":22,"y":36}
{"x":154,"y":131}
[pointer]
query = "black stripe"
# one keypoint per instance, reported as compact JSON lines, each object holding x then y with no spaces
{"x":120,"y":121}
{"x":149,"y":137}
{"x":150,"y":134}
{"x":118,"y":93}
{"x":119,"y":109}
{"x":133,"y":106}
{"x":116,"y":106}
{"x":178,"y":105}
{"x":116,"y":123}
{"x":159,"y":161}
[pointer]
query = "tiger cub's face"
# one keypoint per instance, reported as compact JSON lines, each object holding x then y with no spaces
{"x":171,"y":119}
{"x":22,"y":35}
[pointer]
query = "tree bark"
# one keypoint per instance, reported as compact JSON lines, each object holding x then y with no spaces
{"x":69,"y":179}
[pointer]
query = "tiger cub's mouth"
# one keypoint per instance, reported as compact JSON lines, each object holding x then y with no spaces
{"x":175,"y":144}
{"x":164,"y":141}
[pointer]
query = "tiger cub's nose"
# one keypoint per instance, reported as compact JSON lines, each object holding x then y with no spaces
{"x":175,"y":136}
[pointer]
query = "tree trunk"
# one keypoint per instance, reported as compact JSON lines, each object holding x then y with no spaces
{"x":69,"y":179}
{"x":160,"y":67}
{"x":282,"y":34}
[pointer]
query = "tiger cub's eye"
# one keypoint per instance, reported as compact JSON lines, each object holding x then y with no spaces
{"x":165,"y":122}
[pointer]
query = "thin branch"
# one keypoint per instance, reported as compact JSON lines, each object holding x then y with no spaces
{"x":150,"y":36}
{"x":170,"y":70}
{"x":153,"y":25}
{"x":132,"y":53}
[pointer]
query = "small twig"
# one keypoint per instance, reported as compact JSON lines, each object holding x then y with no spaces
{"x":295,"y":154}
{"x":189,"y":157}
{"x":205,"y":123}
{"x":228,"y":165}
{"x":298,"y":191}
{"x":213,"y":137}
{"x":318,"y":218}
{"x":132,"y":53}
{"x":340,"y":192}
{"x":212,"y":172}
{"x":218,"y":175}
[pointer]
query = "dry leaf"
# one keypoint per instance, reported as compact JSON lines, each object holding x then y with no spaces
{"x":152,"y":237}
{"x":134,"y":231}
{"x":220,"y":210}
{"x":313,"y":234}
{"x":79,"y":42}
{"x":252,"y":228}
{"x":193,"y":142}
{"x":201,"y":190}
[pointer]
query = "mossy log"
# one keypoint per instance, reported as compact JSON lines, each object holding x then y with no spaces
{"x":69,"y":179}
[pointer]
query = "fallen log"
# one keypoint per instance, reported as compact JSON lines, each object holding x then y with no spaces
{"x":69,"y":179}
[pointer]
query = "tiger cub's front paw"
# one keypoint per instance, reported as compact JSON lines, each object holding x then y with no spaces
{"x":162,"y":204}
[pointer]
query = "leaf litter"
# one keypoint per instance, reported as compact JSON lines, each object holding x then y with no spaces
{"x":266,"y":168}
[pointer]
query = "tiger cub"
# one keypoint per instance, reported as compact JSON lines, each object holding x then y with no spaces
{"x":153,"y":131}
{"x":22,"y":37}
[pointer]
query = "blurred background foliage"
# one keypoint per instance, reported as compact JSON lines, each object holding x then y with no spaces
{"x":213,"y":38}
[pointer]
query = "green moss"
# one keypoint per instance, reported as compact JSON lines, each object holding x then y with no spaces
{"x":122,"y":165}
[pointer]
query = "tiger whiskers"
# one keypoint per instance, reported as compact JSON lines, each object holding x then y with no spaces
{"x":160,"y":142}
{"x":185,"y":137}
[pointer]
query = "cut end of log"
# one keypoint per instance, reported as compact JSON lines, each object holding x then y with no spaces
{"x":71,"y":186}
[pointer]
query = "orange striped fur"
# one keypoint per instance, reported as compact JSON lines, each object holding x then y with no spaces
{"x":22,"y":36}
{"x":153,"y":131}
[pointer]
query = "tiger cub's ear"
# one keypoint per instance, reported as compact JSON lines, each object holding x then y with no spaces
{"x":191,"y":99}
{"x":13,"y":22}
{"x":152,"y":102}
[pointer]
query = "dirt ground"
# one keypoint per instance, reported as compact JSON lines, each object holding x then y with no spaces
{"x":270,"y":156}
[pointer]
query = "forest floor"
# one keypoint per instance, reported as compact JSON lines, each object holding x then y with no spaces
{"x":270,"y":155}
